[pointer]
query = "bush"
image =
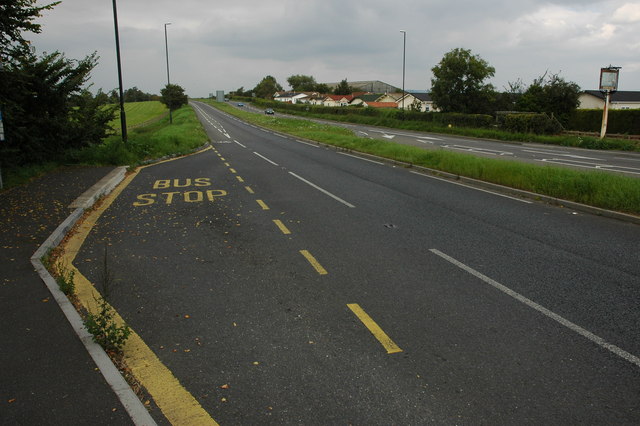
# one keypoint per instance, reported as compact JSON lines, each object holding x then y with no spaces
{"x":621,"y":121}
{"x":539,"y":124}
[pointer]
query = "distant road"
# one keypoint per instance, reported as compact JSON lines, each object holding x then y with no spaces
{"x":627,"y":163}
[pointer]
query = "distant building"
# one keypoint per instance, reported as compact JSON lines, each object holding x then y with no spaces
{"x":371,"y":86}
{"x":594,"y":99}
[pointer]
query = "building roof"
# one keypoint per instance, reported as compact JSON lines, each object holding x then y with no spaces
{"x":619,"y":96}
{"x":382,"y":104}
{"x":424,"y":97}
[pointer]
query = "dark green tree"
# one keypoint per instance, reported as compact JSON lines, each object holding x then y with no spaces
{"x":173,"y":96}
{"x":458,"y":83}
{"x":343,"y":88}
{"x":136,"y":95}
{"x":322,"y":88}
{"x":16,"y":17}
{"x":46,"y":111}
{"x":302,"y":83}
{"x":267,"y":88}
{"x":552,"y":95}
{"x":239,"y":92}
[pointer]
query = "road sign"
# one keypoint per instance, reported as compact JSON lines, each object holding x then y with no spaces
{"x":609,"y":79}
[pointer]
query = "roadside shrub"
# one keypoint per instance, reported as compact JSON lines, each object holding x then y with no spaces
{"x":625,"y":121}
{"x":539,"y":124}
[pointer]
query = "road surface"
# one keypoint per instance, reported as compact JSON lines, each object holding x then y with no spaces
{"x":287,"y":283}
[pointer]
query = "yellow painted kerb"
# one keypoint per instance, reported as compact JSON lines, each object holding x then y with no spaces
{"x":175,"y":402}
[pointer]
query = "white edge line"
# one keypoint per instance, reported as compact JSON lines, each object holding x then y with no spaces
{"x":323,"y":191}
{"x":265,"y":158}
{"x":360,"y":158}
{"x":544,"y":311}
{"x":306,"y":143}
{"x":136,"y":410}
{"x":473,"y":187}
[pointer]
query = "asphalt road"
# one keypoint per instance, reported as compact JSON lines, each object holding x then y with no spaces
{"x":627,"y":163}
{"x":286,"y":283}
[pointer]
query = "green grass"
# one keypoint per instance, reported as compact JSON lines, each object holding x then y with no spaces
{"x":388,"y":118}
{"x":152,"y":141}
{"x":137,"y":113}
{"x":599,"y":189}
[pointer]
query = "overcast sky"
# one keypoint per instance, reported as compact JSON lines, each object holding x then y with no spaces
{"x":226,"y":44}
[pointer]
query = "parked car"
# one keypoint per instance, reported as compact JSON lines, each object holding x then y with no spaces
{"x":240,"y":104}
{"x":269,"y":111}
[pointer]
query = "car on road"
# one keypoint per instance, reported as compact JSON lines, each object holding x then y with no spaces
{"x":269,"y":111}
{"x":240,"y":104}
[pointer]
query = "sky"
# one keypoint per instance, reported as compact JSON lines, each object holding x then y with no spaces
{"x":228,"y":44}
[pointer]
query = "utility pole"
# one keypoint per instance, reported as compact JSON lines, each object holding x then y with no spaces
{"x":404,"y":50}
{"x":123,"y":118}
{"x":166,"y":49}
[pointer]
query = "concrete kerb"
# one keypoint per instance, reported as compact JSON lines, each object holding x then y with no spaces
{"x":136,"y":410}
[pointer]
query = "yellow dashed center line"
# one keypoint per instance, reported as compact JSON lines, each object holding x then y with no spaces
{"x":239,"y":179}
{"x":232,"y":170}
{"x":382,"y":337}
{"x":280,"y":225}
{"x":249,"y":190}
{"x":262,"y":204}
{"x":312,"y":260}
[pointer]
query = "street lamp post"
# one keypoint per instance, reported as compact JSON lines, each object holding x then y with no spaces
{"x":166,"y":49}
{"x":404,"y":49}
{"x":123,"y":119}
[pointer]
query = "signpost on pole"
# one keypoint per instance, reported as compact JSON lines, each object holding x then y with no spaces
{"x":608,"y":85}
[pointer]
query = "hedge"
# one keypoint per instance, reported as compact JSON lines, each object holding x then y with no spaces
{"x":621,"y":121}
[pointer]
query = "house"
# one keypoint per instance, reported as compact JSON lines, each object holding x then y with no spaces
{"x":390,"y":97}
{"x":594,"y":99}
{"x":338,"y":100}
{"x":366,"y":97}
{"x":374,"y":104}
{"x":419,"y":101}
{"x":291,"y":97}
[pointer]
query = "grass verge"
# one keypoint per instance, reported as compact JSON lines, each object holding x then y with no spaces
{"x":152,"y":141}
{"x":598,"y":189}
{"x":138,"y":113}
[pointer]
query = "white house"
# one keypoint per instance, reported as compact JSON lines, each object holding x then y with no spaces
{"x":291,"y":97}
{"x":594,"y":99}
{"x":422,"y":101}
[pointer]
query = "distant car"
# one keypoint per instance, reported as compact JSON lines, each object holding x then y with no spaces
{"x":269,"y":111}
{"x":240,"y":104}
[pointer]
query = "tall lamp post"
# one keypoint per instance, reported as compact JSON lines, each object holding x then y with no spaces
{"x":166,"y":49}
{"x":123,"y":119}
{"x":404,"y":49}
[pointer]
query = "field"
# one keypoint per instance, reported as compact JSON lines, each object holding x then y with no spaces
{"x":138,"y":113}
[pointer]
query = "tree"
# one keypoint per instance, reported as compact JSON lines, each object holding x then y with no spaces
{"x":343,"y":88}
{"x":46,"y":111}
{"x":302,"y":83}
{"x":173,"y":97}
{"x":17,"y":16}
{"x":136,"y":95}
{"x":458,"y":83}
{"x":322,"y":88}
{"x":267,"y":88}
{"x":552,"y":95}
